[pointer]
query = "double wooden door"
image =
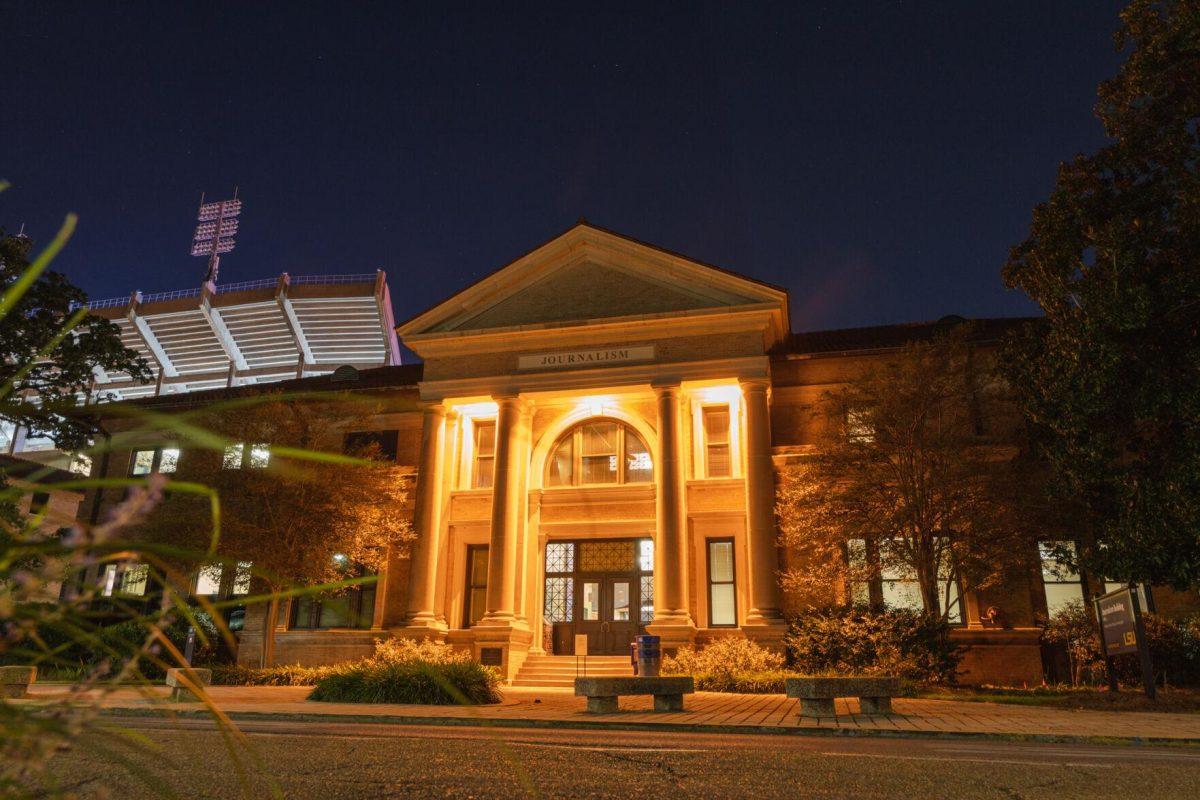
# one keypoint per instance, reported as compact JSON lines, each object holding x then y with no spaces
{"x":606,"y":611}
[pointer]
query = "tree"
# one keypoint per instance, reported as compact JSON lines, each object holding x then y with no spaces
{"x":49,"y":352}
{"x":910,"y":477}
{"x":1111,"y":380}
{"x":298,"y":513}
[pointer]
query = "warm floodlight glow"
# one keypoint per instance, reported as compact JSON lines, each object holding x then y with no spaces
{"x":477,"y":410}
{"x":726,"y":393}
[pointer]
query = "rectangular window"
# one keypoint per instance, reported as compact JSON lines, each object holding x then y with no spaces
{"x":142,"y":463}
{"x":901,"y":590}
{"x":1063,"y":584}
{"x":598,"y":453}
{"x":477,"y":575}
{"x":164,"y":460}
{"x":717,"y":461}
{"x":126,"y":579}
{"x":858,"y":426}
{"x":722,"y":596}
{"x":209,"y":580}
{"x":349,"y":608}
{"x":233,"y":456}
{"x":485,"y":454}
{"x":247,"y":456}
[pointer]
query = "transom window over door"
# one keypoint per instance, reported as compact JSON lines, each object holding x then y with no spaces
{"x":599,"y":452}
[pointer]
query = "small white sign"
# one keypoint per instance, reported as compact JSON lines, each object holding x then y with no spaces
{"x":563,"y":359}
{"x":581,"y":644}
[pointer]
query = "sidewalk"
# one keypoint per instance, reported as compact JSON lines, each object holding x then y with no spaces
{"x":705,"y":711}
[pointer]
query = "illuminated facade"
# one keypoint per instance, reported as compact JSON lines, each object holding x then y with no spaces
{"x":595,"y":435}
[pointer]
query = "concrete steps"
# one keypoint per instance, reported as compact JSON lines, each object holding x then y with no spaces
{"x":560,"y":671}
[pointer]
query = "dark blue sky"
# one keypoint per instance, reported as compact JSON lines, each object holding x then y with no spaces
{"x":877,"y":159}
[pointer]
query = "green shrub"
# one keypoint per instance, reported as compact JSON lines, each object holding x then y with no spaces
{"x":771,"y":682}
{"x":730,"y":655}
{"x":412,"y":681}
{"x":61,"y":649}
{"x":430,"y":651}
{"x":911,"y":645}
{"x":278,"y":675}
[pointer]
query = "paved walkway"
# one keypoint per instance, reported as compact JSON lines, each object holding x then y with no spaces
{"x":706,"y":711}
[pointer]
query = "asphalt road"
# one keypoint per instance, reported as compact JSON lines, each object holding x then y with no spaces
{"x":329,"y":761}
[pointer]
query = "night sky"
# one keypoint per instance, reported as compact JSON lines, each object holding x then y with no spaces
{"x":876,"y":159}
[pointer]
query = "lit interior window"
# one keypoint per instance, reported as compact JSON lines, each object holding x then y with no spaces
{"x":599,"y":452}
{"x":716,"y":442}
{"x":484,"y":467}
{"x":233,"y":456}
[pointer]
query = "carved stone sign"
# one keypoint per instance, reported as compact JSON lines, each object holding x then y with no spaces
{"x":562,"y":359}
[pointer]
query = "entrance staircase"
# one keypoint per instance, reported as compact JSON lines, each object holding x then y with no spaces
{"x":560,"y":671}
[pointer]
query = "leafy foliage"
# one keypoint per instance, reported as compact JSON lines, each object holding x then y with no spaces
{"x":912,"y":463}
{"x":1174,"y":648}
{"x":49,"y":352}
{"x":1111,"y":381}
{"x":309,"y":517}
{"x":406,"y":672}
{"x":277,"y":675}
{"x":726,"y":656}
{"x":857,"y":642}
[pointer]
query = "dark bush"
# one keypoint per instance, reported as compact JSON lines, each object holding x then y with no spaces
{"x":912,"y":645}
{"x":60,"y":646}
{"x":410,"y":682}
{"x":1174,"y":648}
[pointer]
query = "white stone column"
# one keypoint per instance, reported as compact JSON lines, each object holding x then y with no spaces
{"x":672,"y":621}
{"x":512,"y":433}
{"x":422,"y":579}
{"x":760,"y":512}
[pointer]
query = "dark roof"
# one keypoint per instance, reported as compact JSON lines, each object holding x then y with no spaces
{"x":22,"y":469}
{"x":398,"y":376}
{"x":887,"y":337}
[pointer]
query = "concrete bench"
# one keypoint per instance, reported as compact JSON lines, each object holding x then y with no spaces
{"x":15,"y":681}
{"x":817,"y":694}
{"x":181,"y":681}
{"x":602,"y":693}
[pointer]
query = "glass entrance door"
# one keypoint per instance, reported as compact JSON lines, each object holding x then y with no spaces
{"x":607,"y":612}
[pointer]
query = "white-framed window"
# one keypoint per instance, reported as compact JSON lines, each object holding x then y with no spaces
{"x":246,"y":456}
{"x":1063,"y":584}
{"x":722,"y":594}
{"x":208,"y":580}
{"x":124,"y":579}
{"x":718,"y":458}
{"x":897,"y":582}
{"x":483,"y":457}
{"x":145,"y":460}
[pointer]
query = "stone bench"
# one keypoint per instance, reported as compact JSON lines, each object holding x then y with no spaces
{"x":181,"y":681}
{"x":602,"y":693}
{"x":15,"y":681}
{"x":817,"y":694}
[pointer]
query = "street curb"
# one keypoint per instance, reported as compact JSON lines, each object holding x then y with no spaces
{"x":671,"y":727}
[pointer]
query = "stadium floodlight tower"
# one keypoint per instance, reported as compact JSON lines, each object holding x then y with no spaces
{"x":214,"y":235}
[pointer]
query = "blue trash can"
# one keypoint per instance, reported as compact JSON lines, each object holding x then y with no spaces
{"x":649,"y":656}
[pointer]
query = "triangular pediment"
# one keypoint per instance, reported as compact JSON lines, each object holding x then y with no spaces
{"x":589,"y":274}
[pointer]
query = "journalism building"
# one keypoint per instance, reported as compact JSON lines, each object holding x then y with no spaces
{"x":595,"y":434}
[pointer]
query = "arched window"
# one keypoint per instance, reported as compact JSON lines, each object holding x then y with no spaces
{"x":597,"y":452}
